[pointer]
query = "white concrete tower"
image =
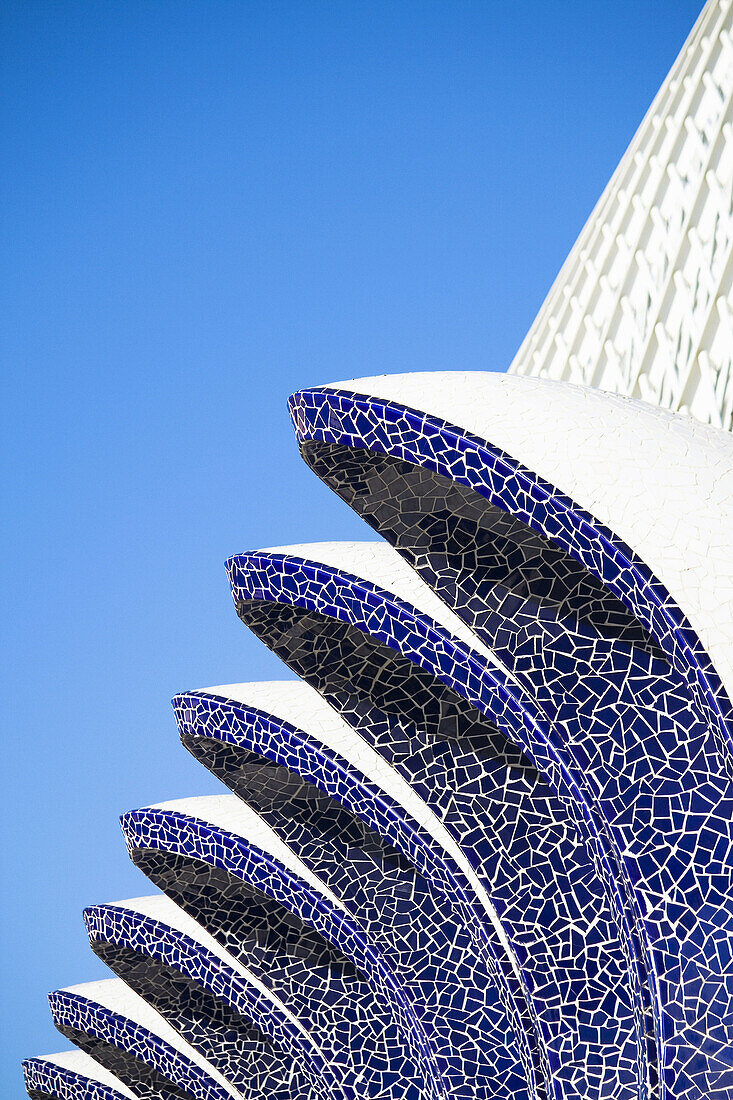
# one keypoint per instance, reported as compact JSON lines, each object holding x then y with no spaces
{"x":643,"y":305}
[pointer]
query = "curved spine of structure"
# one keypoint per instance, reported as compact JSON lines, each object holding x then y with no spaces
{"x":639,"y":717}
{"x":217,"y":1005}
{"x":71,"y":1075}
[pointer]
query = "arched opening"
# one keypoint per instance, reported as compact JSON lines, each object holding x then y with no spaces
{"x":229,"y":1040}
{"x":144,"y":1080}
{"x":496,"y":572}
{"x":318,"y":983}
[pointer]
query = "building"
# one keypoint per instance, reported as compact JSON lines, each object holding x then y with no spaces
{"x":483,"y":847}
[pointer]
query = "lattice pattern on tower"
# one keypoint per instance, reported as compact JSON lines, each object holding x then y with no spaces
{"x":643,"y":306}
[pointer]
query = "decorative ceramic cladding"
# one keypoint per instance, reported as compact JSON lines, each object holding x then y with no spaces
{"x":632,"y":725}
{"x":643,"y":305}
{"x":482,"y":847}
{"x":73,"y":1074}
{"x":246,"y":1033}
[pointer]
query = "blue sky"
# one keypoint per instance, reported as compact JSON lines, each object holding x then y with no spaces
{"x":205,"y":207}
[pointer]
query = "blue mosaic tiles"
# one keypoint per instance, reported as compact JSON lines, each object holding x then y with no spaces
{"x":147,"y":1064}
{"x":210,"y":1003}
{"x":481,"y":848}
{"x":639,"y":718}
{"x":296,"y":941}
{"x":455,"y":729}
{"x":49,"y":1078}
{"x":410,"y":917}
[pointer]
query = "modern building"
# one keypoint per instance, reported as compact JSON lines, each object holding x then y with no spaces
{"x":482,"y":848}
{"x":642,"y":305}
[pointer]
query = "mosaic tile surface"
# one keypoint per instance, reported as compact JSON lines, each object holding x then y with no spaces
{"x":295,"y":937}
{"x":455,"y":726}
{"x":482,"y":847}
{"x":421,"y":938}
{"x":638,"y":717}
{"x":71,"y":1075}
{"x":214,"y":1004}
{"x":128,"y":1038}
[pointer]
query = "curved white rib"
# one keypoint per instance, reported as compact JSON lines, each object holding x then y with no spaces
{"x":161,"y":908}
{"x":120,"y":999}
{"x":382,"y":566}
{"x":301,"y":705}
{"x":661,"y":482}
{"x":227,"y":812}
{"x":78,"y":1061}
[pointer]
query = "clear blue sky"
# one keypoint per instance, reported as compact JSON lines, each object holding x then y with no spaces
{"x":206,"y":206}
